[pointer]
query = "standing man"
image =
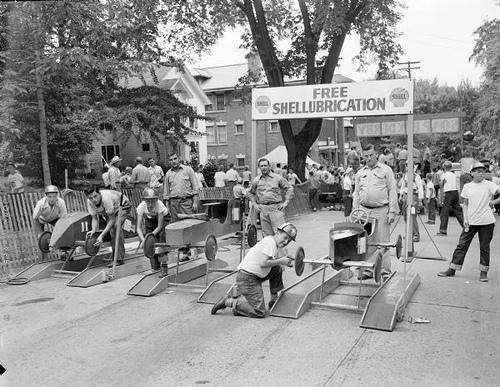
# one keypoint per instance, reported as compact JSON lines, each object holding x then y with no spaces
{"x":15,"y":179}
{"x":232,"y":176}
{"x":353,"y":159}
{"x":180,"y":192}
{"x":448,"y":194}
{"x":106,"y":203}
{"x":265,"y":195}
{"x":157,"y":175}
{"x":114,"y":173}
{"x":314,"y":184}
{"x":141,"y":176}
{"x":347,"y":191}
{"x":375,"y":192}
{"x":417,"y":198}
{"x":48,"y":210}
{"x":402,"y":157}
{"x":247,"y":176}
{"x":478,"y":218}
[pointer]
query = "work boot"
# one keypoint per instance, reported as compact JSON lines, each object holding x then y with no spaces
{"x":447,"y":273}
{"x":163,"y":270}
{"x":483,"y":276}
{"x":221,"y":304}
{"x":272,"y":301}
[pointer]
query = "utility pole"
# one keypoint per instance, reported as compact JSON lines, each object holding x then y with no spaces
{"x":409,"y":66}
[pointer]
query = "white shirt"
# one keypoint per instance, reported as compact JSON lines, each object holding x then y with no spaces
{"x":450,"y":181}
{"x":232,"y":175}
{"x":156,"y":175}
{"x":258,"y":255}
{"x":160,"y":208}
{"x":430,"y":192}
{"x":220,"y":179}
{"x":200,"y":178}
{"x":347,"y":184}
{"x":479,"y":195}
{"x":417,"y":186}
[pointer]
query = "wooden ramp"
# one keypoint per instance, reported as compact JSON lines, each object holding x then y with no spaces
{"x":386,"y":306}
{"x":295,"y":300}
{"x":39,"y":271}
{"x":95,"y":275}
{"x":217,"y":288}
{"x":151,"y":284}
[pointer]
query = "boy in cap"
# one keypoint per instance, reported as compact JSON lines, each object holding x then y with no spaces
{"x":152,"y":212}
{"x":49,"y":209}
{"x":260,"y":264}
{"x":478,"y":218}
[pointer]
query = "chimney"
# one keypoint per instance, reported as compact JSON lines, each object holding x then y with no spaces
{"x":254,"y":63}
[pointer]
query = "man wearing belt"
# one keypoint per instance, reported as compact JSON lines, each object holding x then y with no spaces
{"x":375,"y":192}
{"x":265,"y":195}
{"x":232,"y":176}
{"x":141,"y":176}
{"x":262,"y":262}
{"x":180,"y":192}
{"x":449,"y":199}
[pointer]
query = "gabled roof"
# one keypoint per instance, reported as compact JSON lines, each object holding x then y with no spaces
{"x":226,"y":77}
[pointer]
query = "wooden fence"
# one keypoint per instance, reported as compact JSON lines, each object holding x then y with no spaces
{"x":18,"y":242}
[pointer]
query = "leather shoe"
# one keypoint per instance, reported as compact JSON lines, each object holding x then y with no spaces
{"x":483,"y":276}
{"x":447,"y":273}
{"x":118,"y":263}
{"x":430,"y":222}
{"x":221,"y":304}
{"x":441,"y":233}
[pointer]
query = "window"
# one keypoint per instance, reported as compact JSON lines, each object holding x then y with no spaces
{"x":220,"y":102}
{"x":222,"y":132}
{"x":238,"y":129}
{"x":208,"y":108}
{"x":273,"y":127}
{"x":211,"y":137}
{"x":241,"y":162}
{"x":145,"y":147}
{"x":110,"y":151}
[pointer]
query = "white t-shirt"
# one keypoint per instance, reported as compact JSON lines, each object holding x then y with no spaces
{"x":159,"y":208}
{"x":450,"y":183}
{"x":220,"y":179}
{"x":232,"y":175}
{"x":200,"y":178}
{"x":479,"y":195}
{"x":258,"y":255}
{"x":430,"y":192}
{"x":347,"y":184}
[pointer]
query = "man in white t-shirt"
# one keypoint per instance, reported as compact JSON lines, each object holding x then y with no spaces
{"x":260,"y":264}
{"x":448,"y":194}
{"x":153,"y":212}
{"x":478,"y":218}
{"x":232,"y":175}
{"x":106,"y":203}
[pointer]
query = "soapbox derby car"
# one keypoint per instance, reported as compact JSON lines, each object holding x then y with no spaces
{"x":222,"y":223}
{"x":353,"y":244}
{"x":70,"y":232}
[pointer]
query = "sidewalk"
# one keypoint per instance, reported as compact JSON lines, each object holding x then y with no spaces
{"x":54,"y":335}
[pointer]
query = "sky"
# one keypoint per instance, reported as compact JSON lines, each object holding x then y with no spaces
{"x":438,"y":33}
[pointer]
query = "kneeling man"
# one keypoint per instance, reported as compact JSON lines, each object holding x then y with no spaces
{"x":48,"y":210}
{"x":153,"y":212}
{"x":260,"y":264}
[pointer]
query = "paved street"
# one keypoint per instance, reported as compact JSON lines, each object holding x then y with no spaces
{"x":54,"y":335}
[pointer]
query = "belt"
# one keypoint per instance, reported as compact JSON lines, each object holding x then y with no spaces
{"x":182,"y":198}
{"x":270,"y":203}
{"x":141,"y":182}
{"x":371,"y":207}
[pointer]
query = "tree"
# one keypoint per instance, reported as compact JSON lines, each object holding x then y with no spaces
{"x":317,"y":30}
{"x":61,"y":59}
{"x":486,"y":53}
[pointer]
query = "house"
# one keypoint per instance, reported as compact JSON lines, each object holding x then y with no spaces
{"x":228,"y":135}
{"x":184,"y":86}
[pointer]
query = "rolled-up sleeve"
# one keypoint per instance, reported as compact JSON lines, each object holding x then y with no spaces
{"x":392,"y":191}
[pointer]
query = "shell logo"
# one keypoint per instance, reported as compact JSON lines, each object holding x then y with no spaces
{"x":399,"y":97}
{"x":262,"y":104}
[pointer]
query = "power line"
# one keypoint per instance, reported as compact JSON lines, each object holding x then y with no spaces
{"x":409,"y":66}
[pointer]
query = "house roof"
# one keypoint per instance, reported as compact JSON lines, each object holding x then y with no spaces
{"x":226,"y":77}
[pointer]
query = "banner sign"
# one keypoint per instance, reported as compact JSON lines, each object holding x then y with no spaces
{"x":371,"y":98}
{"x":396,"y":126}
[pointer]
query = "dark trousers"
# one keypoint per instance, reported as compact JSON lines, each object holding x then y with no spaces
{"x":347,"y":203}
{"x":431,"y":209}
{"x":250,"y":300}
{"x":150,"y":225}
{"x":120,"y":254}
{"x":485,"y":235}
{"x":314,"y":198}
{"x":450,"y":202}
